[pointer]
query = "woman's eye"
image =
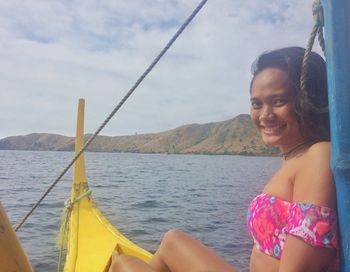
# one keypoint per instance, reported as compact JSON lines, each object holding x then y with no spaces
{"x":279,"y":102}
{"x":256,"y":104}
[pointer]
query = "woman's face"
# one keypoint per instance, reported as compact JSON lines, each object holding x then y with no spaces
{"x":272,"y":109}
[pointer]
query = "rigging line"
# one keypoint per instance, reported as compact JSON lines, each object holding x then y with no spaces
{"x":317,"y":11}
{"x":133,"y":88}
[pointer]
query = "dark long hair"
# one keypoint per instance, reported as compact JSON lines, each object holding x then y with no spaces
{"x":311,"y":108}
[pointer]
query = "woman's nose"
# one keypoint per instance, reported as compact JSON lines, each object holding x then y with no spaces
{"x":266,"y":113}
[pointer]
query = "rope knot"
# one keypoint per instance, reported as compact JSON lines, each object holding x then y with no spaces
{"x":62,"y":238}
{"x":317,"y":12}
{"x":68,"y":204}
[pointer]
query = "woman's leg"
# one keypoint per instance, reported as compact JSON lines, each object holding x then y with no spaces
{"x":125,"y":263}
{"x":179,"y":252}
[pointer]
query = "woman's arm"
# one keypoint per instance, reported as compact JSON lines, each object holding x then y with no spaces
{"x":298,"y":256}
{"x":313,"y":184}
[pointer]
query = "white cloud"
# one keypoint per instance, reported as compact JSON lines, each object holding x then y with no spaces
{"x":53,"y":52}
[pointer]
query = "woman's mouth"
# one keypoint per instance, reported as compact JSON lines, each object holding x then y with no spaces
{"x":272,"y":129}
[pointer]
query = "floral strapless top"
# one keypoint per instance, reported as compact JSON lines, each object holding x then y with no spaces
{"x":270,"y":219}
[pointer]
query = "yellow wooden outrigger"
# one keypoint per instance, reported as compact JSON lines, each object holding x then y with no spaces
{"x":91,"y":238}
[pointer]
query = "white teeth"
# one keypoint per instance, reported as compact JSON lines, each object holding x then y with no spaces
{"x":271,"y":129}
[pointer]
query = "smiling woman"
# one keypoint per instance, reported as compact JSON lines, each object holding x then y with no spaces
{"x":293,"y":222}
{"x":296,"y":210}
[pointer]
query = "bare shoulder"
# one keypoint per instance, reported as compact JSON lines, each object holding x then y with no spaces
{"x":322,"y":149}
{"x":314,"y":181}
{"x":317,"y":157}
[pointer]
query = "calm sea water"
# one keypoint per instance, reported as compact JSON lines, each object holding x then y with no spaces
{"x":143,"y":195}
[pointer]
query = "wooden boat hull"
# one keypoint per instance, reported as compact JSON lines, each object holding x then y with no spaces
{"x":12,"y":255}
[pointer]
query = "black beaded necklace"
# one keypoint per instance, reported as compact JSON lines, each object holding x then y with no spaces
{"x":285,"y":155}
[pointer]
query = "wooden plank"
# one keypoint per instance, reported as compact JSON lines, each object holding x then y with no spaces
{"x":337,"y":33}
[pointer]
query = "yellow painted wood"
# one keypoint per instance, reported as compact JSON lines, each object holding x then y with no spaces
{"x":12,"y":255}
{"x":91,"y":238}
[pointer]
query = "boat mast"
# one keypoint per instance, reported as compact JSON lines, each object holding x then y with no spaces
{"x":337,"y":34}
{"x":79,"y":178}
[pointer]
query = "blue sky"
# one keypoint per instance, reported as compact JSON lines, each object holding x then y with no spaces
{"x":54,"y":52}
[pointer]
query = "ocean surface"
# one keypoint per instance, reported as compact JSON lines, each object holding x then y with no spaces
{"x":143,"y":195}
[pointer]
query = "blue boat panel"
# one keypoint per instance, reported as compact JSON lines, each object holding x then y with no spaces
{"x":337,"y":33}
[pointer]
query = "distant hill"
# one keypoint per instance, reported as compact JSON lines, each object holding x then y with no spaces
{"x":236,"y":136}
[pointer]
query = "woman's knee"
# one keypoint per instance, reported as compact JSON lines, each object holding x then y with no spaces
{"x":122,"y":258}
{"x":174,"y":237}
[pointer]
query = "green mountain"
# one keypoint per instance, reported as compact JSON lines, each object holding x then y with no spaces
{"x":235,"y":136}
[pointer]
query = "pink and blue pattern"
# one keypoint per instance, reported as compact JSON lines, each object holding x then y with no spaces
{"x":270,"y":219}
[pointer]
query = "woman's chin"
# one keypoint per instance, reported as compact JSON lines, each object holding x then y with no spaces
{"x":271,"y":140}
